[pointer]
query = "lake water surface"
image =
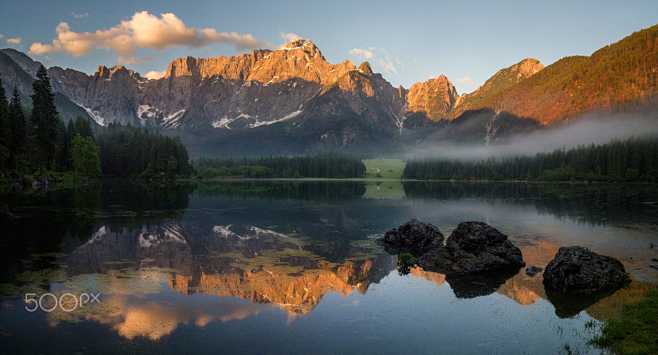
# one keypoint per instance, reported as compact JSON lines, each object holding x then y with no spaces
{"x":294,"y":268}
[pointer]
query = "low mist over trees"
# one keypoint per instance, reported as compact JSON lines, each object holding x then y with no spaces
{"x":319,"y":166}
{"x":629,"y":160}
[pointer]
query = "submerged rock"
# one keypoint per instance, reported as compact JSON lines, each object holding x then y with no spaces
{"x":533,"y":270}
{"x":579,"y":270}
{"x":414,"y":236}
{"x":474,"y":247}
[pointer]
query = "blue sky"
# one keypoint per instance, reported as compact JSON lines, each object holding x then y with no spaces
{"x":407,"y":41}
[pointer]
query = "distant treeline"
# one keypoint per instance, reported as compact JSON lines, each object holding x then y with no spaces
{"x":318,"y":166}
{"x":633,"y":160}
{"x":38,"y":143}
{"x":128,"y":151}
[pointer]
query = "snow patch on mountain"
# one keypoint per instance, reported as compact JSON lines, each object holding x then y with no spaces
{"x":95,"y":115}
{"x":168,"y":234}
{"x":222,"y":123}
{"x":173,"y":120}
{"x":225,"y":122}
{"x":98,"y":235}
{"x":147,"y":112}
{"x":282,"y":119}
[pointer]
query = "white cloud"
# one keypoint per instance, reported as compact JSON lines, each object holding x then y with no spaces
{"x":382,"y":60}
{"x":2,"y":36}
{"x":14,"y":41}
{"x":142,"y":30}
{"x":79,"y":16}
{"x":388,"y":65}
{"x":466,"y":80}
{"x":363,"y":53}
{"x":290,"y":36}
{"x":154,"y":75}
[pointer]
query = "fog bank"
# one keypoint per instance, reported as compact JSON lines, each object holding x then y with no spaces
{"x":589,"y":129}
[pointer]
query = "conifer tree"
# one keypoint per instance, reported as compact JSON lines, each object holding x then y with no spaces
{"x":85,"y":157}
{"x":83,"y":128}
{"x":17,"y":124}
{"x":44,"y":119}
{"x":4,"y":129}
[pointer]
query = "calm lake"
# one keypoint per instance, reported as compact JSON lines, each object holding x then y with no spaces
{"x":294,"y":268}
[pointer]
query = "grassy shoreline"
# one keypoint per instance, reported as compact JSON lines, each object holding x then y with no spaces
{"x":635,"y":330}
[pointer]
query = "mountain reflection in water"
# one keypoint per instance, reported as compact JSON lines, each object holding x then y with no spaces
{"x":245,"y":257}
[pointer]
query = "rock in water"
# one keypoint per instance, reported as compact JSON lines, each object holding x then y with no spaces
{"x":474,"y":247}
{"x":414,"y":236}
{"x":579,"y":270}
{"x":533,"y":270}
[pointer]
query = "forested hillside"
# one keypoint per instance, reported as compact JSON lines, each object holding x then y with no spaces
{"x":622,"y":73}
{"x":630,"y":160}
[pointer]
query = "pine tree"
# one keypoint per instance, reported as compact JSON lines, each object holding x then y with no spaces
{"x":61,"y":153}
{"x":44,"y":119}
{"x":18,"y":139}
{"x":4,"y":130}
{"x":85,"y":157}
{"x":83,"y":128}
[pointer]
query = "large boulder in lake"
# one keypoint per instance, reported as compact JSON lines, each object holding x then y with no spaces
{"x":577,"y":270}
{"x":414,"y":236}
{"x":474,"y":247}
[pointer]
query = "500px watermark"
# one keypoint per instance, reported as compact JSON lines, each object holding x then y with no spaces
{"x":67,"y":302}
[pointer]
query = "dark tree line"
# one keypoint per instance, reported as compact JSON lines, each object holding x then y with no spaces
{"x":128,"y":151}
{"x":629,"y":160}
{"x":40,"y":142}
{"x":319,"y":166}
{"x":35,"y":141}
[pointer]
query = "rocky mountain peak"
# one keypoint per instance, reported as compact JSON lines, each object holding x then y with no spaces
{"x":115,"y":72}
{"x":102,"y":72}
{"x":501,"y":81}
{"x":526,"y":68}
{"x":304,"y":44}
{"x":365,"y":68}
{"x":21,"y":59}
{"x":435,"y":98}
{"x":185,"y":66}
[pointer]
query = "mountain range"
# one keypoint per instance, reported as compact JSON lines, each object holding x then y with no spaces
{"x":292,"y":100}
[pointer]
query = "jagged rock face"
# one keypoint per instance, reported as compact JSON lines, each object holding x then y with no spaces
{"x":365,"y":68}
{"x":17,"y":70}
{"x":22,"y":60}
{"x":293,"y":101}
{"x":435,"y":98}
{"x":252,"y":90}
{"x":110,"y":95}
{"x":13,"y":75}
